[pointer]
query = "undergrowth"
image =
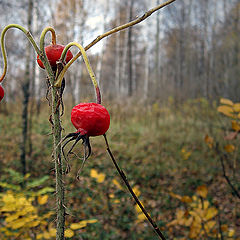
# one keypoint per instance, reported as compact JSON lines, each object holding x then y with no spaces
{"x":163,"y":151}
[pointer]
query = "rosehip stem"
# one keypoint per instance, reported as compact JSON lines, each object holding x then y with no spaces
{"x":42,"y":54}
{"x":28,"y":35}
{"x":87,"y":63}
{"x":124,"y":178}
{"x":43,"y":34}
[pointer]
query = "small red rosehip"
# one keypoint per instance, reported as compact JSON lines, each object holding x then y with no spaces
{"x":53,"y":53}
{"x":91,"y":119}
{"x":1,"y":92}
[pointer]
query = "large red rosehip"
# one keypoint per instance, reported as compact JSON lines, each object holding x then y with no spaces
{"x":53,"y":53}
{"x":1,"y":92}
{"x":91,"y":119}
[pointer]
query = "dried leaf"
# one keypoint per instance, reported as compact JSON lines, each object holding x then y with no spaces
{"x":100,"y":177}
{"x":231,"y":232}
{"x":82,"y":224}
{"x":136,"y":191}
{"x":186,"y":199}
{"x":69,"y":233}
{"x":42,"y":199}
{"x":209,"y":141}
{"x":231,"y":136}
{"x":202,"y":191}
{"x":236,"y":107}
{"x":235,"y":125}
{"x":226,"y":101}
{"x":118,"y":185}
{"x":229,"y":148}
{"x":226,"y":110}
{"x":211,"y":213}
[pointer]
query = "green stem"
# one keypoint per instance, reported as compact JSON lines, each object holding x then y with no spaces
{"x":87,"y":63}
{"x":42,"y":54}
{"x":28,"y":35}
{"x":57,"y":130}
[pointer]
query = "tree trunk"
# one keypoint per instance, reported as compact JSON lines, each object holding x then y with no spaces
{"x":130,"y":70}
{"x":25,"y":89}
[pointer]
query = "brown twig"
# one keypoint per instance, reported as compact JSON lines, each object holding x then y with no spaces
{"x":124,"y":178}
{"x":222,"y":156}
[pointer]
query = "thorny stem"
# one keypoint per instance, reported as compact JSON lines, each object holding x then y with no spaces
{"x":28,"y":35}
{"x":88,"y":65}
{"x":124,"y":178}
{"x":56,"y":129}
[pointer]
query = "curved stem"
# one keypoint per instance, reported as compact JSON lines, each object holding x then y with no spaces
{"x":43,"y":34}
{"x":124,"y":178}
{"x":28,"y":35}
{"x":88,"y":65}
{"x":42,"y":54}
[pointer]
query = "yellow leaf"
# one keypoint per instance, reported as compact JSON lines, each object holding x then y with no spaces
{"x":180,"y":214}
{"x":137,"y":208}
{"x":141,"y":217}
{"x":229,"y":148}
{"x":111,"y":195}
{"x":136,"y":191}
{"x":205,"y":204}
{"x":202,"y":191}
{"x":197,"y":218}
{"x":52,"y":232}
{"x":39,"y":236}
{"x":226,"y":110}
{"x":42,"y":199}
{"x":211,"y":213}
{"x":236,"y":107}
{"x":82,"y":224}
{"x":231,"y":232}
{"x":224,"y":227}
{"x":172,"y":194}
{"x":185,"y":154}
{"x":69,"y":233}
{"x":235,"y":125}
{"x":12,"y":217}
{"x":75,"y":226}
{"x":89,"y":199}
{"x":118,"y":185}
{"x":209,"y":141}
{"x":186,"y":199}
{"x":209,"y":225}
{"x":116,"y":201}
{"x":194,"y":231}
{"x":226,"y":101}
{"x":93,"y":173}
{"x":91,"y":221}
{"x":100,"y":177}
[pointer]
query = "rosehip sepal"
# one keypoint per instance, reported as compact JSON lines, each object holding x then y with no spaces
{"x":90,"y":119}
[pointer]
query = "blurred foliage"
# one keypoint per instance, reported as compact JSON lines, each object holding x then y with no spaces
{"x":168,"y":154}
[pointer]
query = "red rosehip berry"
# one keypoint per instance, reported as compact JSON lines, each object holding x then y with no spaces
{"x":53,"y":53}
{"x":91,"y":119}
{"x":1,"y":92}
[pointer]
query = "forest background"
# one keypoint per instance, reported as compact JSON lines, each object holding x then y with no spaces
{"x":171,"y":84}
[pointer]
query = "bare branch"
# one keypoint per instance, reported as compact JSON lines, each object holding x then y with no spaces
{"x":122,"y":27}
{"x":129,"y":24}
